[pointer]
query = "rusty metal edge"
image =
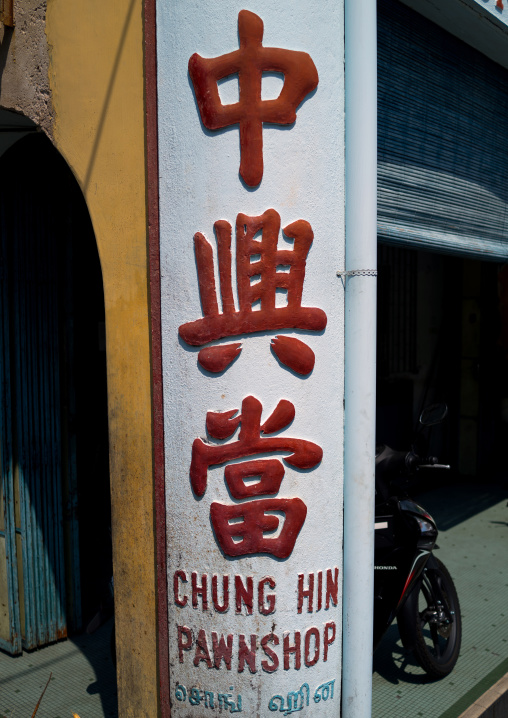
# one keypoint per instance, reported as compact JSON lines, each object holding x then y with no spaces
{"x":152,"y":200}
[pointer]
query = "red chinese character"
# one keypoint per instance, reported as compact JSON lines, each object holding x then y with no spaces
{"x":248,"y":523}
{"x":275,"y":269}
{"x":221,"y":425}
{"x":249,"y":63}
{"x":240,"y":529}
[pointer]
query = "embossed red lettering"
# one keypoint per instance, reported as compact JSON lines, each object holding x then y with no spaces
{"x":311,"y":633}
{"x":294,"y":353}
{"x":276,"y":270}
{"x":216,"y":359}
{"x":244,"y":594}
{"x":270,"y":472}
{"x":292,"y":648}
{"x":224,"y":606}
{"x":246,"y":654}
{"x":199,"y":590}
{"x":265,"y":665}
{"x":265,"y":609}
{"x":184,"y":641}
{"x":304,"y":454}
{"x":305,"y":593}
{"x":332,"y":587}
{"x":222,"y":649}
{"x":240,"y":530}
{"x":202,"y":652}
{"x":179,"y":576}
{"x":250,"y":112}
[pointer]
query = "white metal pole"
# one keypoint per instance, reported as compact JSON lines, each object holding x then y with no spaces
{"x":360,"y":355}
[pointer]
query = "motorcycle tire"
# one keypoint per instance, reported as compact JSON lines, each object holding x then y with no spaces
{"x":423,"y":624}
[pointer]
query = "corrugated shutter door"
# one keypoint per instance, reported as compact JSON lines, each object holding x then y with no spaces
{"x":442,"y":137}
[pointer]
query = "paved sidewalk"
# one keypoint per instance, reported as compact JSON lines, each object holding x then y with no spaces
{"x":473,"y":524}
{"x":493,"y":703}
{"x":83,"y":681}
{"x":473,"y":540}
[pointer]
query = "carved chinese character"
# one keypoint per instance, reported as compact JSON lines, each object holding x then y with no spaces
{"x":249,"y":63}
{"x":262,"y":271}
{"x":221,"y":425}
{"x":240,"y":529}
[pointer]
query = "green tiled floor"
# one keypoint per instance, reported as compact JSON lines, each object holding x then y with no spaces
{"x":473,"y":542}
{"x":473,"y":538}
{"x":83,"y":679}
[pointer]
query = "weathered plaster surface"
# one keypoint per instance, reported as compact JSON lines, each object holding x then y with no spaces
{"x":96,"y":75}
{"x":199,"y":184}
{"x":24,"y":63}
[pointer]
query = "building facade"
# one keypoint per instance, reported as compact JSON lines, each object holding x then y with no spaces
{"x":112,"y":164}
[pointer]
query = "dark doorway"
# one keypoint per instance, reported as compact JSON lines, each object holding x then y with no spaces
{"x":56,"y":568}
{"x":443,"y":336}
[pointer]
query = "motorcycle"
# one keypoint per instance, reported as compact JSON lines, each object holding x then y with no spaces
{"x":410,"y":583}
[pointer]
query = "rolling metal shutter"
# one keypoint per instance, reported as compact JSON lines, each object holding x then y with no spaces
{"x":38,"y":491}
{"x":442,"y":138}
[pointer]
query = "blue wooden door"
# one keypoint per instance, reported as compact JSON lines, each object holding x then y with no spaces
{"x":38,"y":524}
{"x":36,"y":415}
{"x":10,"y":625}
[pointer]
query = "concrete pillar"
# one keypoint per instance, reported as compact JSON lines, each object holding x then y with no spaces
{"x":251,"y":239}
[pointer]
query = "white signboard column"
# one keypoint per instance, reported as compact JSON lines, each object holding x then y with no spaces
{"x":251,"y":159}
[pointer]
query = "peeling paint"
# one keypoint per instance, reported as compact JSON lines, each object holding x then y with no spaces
{"x":24,"y":65}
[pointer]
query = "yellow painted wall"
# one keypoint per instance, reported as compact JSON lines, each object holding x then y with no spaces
{"x":96,"y":77}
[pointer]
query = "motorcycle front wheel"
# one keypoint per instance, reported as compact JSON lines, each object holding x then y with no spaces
{"x":430,"y":622}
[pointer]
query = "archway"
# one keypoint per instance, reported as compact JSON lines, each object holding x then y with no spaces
{"x":55,"y":542}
